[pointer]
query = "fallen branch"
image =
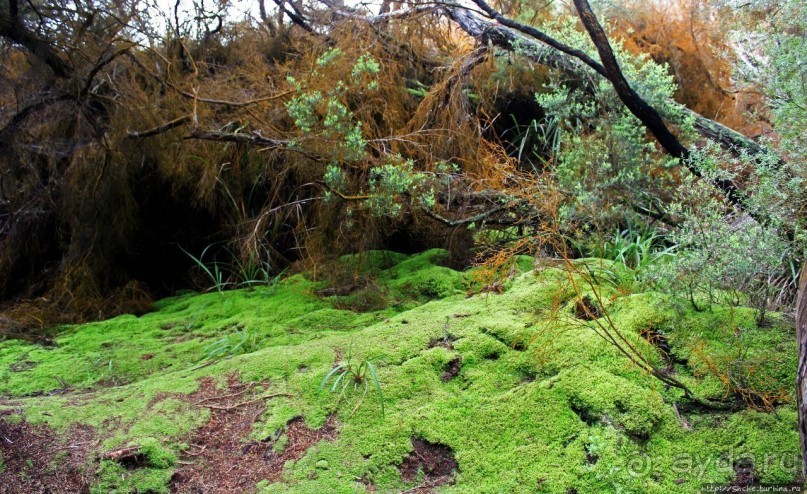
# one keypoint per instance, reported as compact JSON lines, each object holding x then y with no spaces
{"x":122,"y":454}
{"x":254,"y":139}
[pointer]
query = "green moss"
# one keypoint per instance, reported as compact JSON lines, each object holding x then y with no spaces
{"x":116,"y":479}
{"x":156,"y":454}
{"x":611,"y":399}
{"x":539,"y":403}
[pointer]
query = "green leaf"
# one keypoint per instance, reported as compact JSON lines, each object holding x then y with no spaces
{"x":373,"y":373}
{"x":330,"y":374}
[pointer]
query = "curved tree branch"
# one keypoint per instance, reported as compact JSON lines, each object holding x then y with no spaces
{"x":558,"y":57}
{"x":12,"y":28}
{"x":726,"y":137}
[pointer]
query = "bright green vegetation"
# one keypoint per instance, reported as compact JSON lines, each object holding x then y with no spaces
{"x":540,"y":403}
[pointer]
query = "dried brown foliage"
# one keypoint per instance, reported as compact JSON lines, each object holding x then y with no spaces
{"x":693,"y":38}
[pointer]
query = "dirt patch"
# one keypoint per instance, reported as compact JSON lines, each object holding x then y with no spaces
{"x":35,"y":459}
{"x":435,"y":460}
{"x":111,"y":382}
{"x":218,"y":461}
{"x":347,"y":288}
{"x":368,"y":484}
{"x":451,"y":369}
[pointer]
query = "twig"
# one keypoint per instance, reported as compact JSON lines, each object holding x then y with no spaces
{"x":249,"y":386}
{"x":233,"y":407}
{"x":201,"y":450}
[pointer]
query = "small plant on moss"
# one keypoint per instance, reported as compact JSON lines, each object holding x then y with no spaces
{"x":354,"y":375}
{"x":242,"y":341}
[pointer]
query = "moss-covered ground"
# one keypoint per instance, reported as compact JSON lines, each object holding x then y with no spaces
{"x":539,"y":402}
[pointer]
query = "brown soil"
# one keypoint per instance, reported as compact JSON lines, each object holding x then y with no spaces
{"x":436,"y":460}
{"x":22,"y":366}
{"x":35,"y":460}
{"x":218,"y":461}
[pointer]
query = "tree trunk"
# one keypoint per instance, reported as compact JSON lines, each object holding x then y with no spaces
{"x":801,"y":379}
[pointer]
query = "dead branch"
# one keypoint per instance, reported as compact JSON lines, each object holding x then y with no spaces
{"x":186,"y":94}
{"x":253,"y":139}
{"x":486,"y":216}
{"x":505,"y":38}
{"x":295,"y":17}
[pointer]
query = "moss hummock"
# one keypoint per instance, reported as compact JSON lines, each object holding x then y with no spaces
{"x":536,"y":402}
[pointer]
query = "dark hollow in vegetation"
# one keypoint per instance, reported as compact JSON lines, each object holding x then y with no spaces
{"x":447,"y":342}
{"x":585,"y":415}
{"x":745,"y":473}
{"x":451,"y":369}
{"x":587,"y":309}
{"x":657,"y":339}
{"x":436,"y":460}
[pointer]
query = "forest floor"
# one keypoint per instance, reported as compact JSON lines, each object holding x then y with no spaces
{"x":501,"y":391}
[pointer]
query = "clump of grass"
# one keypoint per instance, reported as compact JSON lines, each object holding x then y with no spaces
{"x":634,"y":253}
{"x":635,"y":250}
{"x":238,"y":274}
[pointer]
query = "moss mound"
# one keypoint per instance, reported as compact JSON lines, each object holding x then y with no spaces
{"x":509,"y":391}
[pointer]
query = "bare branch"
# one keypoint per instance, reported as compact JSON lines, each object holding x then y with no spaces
{"x":186,"y":94}
{"x":295,"y":18}
{"x":160,"y":129}
{"x":253,"y":139}
{"x":509,"y":40}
